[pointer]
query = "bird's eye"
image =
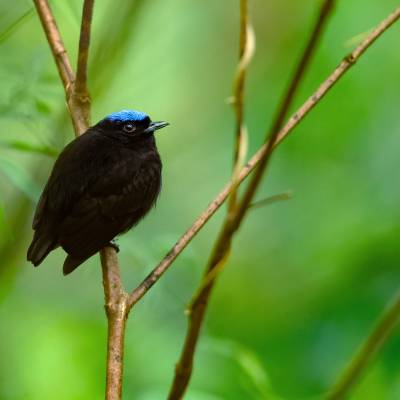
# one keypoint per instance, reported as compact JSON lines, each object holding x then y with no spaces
{"x":129,"y":128}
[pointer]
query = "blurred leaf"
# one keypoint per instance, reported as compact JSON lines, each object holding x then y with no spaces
{"x":20,"y":179}
{"x":272,"y":199}
{"x":356,"y":39}
{"x":43,"y":107}
{"x":194,"y":394}
{"x":14,"y":25}
{"x":249,"y":364}
{"x":30,"y":147}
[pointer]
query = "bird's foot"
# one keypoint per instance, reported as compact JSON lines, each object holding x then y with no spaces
{"x":114,"y":245}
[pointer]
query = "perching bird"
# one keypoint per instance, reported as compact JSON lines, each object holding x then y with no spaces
{"x":101,"y":185}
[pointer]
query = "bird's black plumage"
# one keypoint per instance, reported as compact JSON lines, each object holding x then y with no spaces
{"x":101,"y":185}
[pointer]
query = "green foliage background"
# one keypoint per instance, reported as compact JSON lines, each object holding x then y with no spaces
{"x":306,"y":279}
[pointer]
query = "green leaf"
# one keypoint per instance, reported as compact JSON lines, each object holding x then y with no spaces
{"x":249,"y":364}
{"x":43,"y":107}
{"x":15,"y":24}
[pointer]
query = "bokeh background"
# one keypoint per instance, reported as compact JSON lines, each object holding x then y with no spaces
{"x":306,"y":279}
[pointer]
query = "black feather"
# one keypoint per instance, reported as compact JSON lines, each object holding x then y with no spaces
{"x":101,"y":185}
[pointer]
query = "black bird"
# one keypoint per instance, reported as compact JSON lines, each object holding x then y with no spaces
{"x":101,"y":185}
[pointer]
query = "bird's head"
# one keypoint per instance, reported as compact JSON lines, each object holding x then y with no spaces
{"x":130,"y":123}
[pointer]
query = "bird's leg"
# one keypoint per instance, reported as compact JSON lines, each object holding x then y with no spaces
{"x":114,"y":245}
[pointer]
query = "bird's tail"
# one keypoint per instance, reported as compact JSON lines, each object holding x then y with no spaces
{"x":41,"y":245}
{"x":71,"y":263}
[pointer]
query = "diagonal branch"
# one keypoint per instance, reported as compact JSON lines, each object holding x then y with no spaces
{"x":293,"y":121}
{"x":284,"y":107}
{"x":56,"y":43}
{"x":373,"y":343}
{"x":63,"y":64}
{"x":222,"y":247}
{"x":117,"y":302}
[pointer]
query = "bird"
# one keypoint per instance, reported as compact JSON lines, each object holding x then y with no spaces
{"x":101,"y":185}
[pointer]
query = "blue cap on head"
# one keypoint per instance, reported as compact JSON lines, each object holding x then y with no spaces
{"x":127,"y":115}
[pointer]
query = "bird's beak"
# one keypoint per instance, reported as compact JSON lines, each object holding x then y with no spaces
{"x":155,"y":126}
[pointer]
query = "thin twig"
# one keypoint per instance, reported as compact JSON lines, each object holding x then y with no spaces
{"x":271,"y":199}
{"x":240,"y":75}
{"x":79,"y":109}
{"x":56,"y":43}
{"x":81,"y":90}
{"x":63,"y":64}
{"x":294,"y":120}
{"x":110,"y":266}
{"x":373,"y":343}
{"x":246,"y":51}
{"x":233,"y":220}
{"x":287,"y":100}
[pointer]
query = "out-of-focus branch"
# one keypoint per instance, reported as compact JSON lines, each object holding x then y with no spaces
{"x":78,"y":101}
{"x":293,"y":121}
{"x":284,"y":107}
{"x":373,"y":343}
{"x":220,"y":253}
{"x":246,"y":51}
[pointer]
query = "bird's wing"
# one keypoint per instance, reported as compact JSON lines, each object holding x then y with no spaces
{"x":111,"y":204}
{"x":85,"y":163}
{"x":95,"y":220}
{"x":65,"y":184}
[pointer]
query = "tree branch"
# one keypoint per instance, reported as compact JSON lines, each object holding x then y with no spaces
{"x":232,"y":222}
{"x":78,"y":101}
{"x":283,"y":109}
{"x":81,"y":92}
{"x":246,"y":51}
{"x":373,"y":343}
{"x":221,"y":249}
{"x":63,"y":64}
{"x":294,"y":120}
{"x":118,"y":303}
{"x":117,"y":313}
{"x":56,"y":43}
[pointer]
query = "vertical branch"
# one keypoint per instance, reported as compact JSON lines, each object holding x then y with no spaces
{"x":81,"y":92}
{"x":240,"y":76}
{"x":198,"y":304}
{"x":246,"y":51}
{"x":284,"y":107}
{"x":384,"y":327}
{"x":78,"y":101}
{"x":117,"y":313}
{"x":233,"y":220}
